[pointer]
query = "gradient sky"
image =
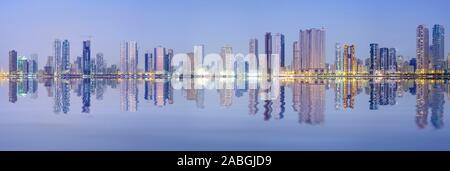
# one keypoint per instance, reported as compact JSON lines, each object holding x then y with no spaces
{"x":30,"y":26}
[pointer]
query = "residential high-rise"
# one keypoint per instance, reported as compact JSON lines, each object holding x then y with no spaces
{"x":57,"y":54}
{"x":437,"y":53}
{"x":22,"y":65}
{"x":33,"y":64}
{"x":448,"y":61}
{"x":275,"y":51}
{"x":129,"y":58}
{"x":422,"y":49}
{"x":374,"y":63}
{"x":338,"y":57}
{"x":296,"y":61}
{"x":226,"y":54}
{"x":199,"y":52}
{"x":350,"y":61}
{"x":392,"y":60}
{"x":100,"y":63}
{"x":169,"y":60}
{"x":148,"y":59}
{"x":12,"y":62}
{"x":65,"y":61}
{"x":268,"y":51}
{"x":160,"y":60}
{"x":87,"y":57}
{"x":312,"y":50}
{"x":384,"y":60}
{"x":253,"y":60}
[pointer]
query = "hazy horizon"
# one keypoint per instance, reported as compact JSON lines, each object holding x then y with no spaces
{"x":32,"y":26}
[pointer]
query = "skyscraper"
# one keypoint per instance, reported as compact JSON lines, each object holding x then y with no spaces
{"x":438,"y":47}
{"x":160,"y":60}
{"x":275,"y":51}
{"x":253,"y":57}
{"x":199,"y":52}
{"x":169,"y":60}
{"x":374,"y":63}
{"x":129,"y":58}
{"x":338,"y":55}
{"x":422,"y":49}
{"x":148,"y":59}
{"x":87,"y":57}
{"x":350,"y":61}
{"x":226,"y":54}
{"x":100,"y":63}
{"x":296,"y":61}
{"x":392,"y":60}
{"x":12,"y":62}
{"x":57,"y":52}
{"x":268,"y":51}
{"x":65,"y":61}
{"x":33,"y":64}
{"x":312,"y":50}
{"x":384,"y":60}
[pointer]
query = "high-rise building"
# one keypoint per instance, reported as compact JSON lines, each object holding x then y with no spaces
{"x":275,"y":51}
{"x":392,"y":60}
{"x":65,"y":61}
{"x":226,"y":54}
{"x":338,"y":57}
{"x":87,"y":57}
{"x":33,"y":64}
{"x":129,"y":58}
{"x":199,"y":52}
{"x":22,"y":65}
{"x":169,"y":60}
{"x":384,"y":60}
{"x":12,"y":62}
{"x":438,"y":47}
{"x":253,"y":57}
{"x":422,"y":49}
{"x":100,"y":64}
{"x":312,"y":48}
{"x":57,"y":54}
{"x":296,"y":61}
{"x":350,"y":61}
{"x":448,"y":61}
{"x":268,"y":51}
{"x":374,"y":63}
{"x":148,"y":59}
{"x":160,"y":60}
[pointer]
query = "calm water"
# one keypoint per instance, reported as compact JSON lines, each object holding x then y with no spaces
{"x":224,"y":114}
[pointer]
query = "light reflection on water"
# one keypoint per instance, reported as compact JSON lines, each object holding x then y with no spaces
{"x":224,"y":114}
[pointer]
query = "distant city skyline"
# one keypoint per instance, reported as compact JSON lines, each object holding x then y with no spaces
{"x":28,"y":29}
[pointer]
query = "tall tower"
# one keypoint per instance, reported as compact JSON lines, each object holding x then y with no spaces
{"x":422,"y":48}
{"x":296,"y":61}
{"x":87,"y":57}
{"x":312,"y":48}
{"x":438,"y":47}
{"x":374,"y":63}
{"x":338,"y":55}
{"x":65,"y":61}
{"x":160,"y":55}
{"x":57,"y":52}
{"x":253,"y":60}
{"x":350,"y":61}
{"x":12,"y":62}
{"x":268,"y":51}
{"x":129,"y":57}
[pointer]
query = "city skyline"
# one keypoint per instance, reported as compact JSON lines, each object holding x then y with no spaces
{"x":26,"y":42}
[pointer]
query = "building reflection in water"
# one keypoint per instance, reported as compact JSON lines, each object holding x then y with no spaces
{"x":128,"y":95}
{"x":309,"y":101}
{"x":265,"y":97}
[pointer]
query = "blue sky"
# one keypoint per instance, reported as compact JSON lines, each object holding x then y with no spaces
{"x":31,"y":26}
